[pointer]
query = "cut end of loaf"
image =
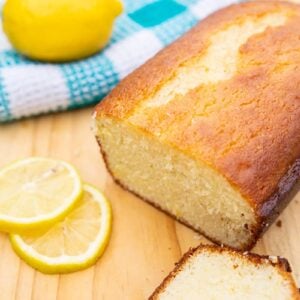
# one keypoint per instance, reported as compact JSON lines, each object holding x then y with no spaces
{"x":192,"y":192}
{"x":210,"y":272}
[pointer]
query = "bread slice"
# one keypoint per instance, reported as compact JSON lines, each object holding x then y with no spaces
{"x":208,"y":130}
{"x":210,"y":272}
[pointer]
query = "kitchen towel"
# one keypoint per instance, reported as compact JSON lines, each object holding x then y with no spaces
{"x":29,"y":88}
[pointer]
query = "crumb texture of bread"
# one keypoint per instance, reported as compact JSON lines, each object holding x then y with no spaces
{"x":214,"y":273}
{"x":209,"y":128}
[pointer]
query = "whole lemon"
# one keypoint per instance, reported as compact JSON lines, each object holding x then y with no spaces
{"x":59,"y":30}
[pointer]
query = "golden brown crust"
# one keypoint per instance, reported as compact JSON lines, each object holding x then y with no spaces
{"x":290,"y":1}
{"x":144,"y":81}
{"x":253,"y":142}
{"x":280,"y":263}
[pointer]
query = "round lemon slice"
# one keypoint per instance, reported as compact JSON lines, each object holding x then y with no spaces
{"x":72,"y":244}
{"x":36,"y":192}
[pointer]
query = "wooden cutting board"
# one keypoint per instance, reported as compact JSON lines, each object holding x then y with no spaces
{"x":145,"y":243}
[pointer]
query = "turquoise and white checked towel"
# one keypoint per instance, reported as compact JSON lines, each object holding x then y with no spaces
{"x":30,"y":88}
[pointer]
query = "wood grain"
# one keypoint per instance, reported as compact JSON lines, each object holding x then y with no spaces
{"x":145,"y":243}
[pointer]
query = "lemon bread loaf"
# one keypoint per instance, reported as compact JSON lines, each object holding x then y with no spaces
{"x":209,"y":129}
{"x":210,"y":272}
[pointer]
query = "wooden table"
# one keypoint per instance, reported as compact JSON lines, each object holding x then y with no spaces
{"x":145,"y":243}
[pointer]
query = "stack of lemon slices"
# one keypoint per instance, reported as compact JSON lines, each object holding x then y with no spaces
{"x":56,"y":223}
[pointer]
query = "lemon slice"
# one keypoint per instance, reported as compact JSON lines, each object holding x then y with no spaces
{"x":72,"y":244}
{"x":36,"y":192}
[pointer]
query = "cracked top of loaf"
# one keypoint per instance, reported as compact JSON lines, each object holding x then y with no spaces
{"x":226,"y":93}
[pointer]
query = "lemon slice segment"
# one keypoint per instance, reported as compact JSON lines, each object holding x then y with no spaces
{"x":36,"y":192}
{"x":72,"y":244}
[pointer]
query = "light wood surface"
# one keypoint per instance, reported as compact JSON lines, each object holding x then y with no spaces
{"x":145,"y":243}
